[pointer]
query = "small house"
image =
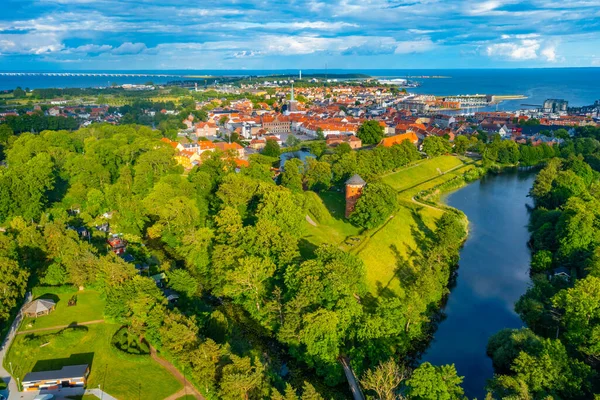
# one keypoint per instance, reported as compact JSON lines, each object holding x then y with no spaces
{"x":159,"y":279}
{"x":127,"y":257}
{"x":561,"y":272}
{"x":117,"y":245}
{"x":171,"y":295}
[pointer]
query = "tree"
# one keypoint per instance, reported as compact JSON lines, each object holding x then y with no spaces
{"x":179,"y":334}
{"x":56,"y":275}
{"x":384,"y":379}
{"x":291,"y":177}
{"x":19,"y":93}
{"x":5,"y":133}
{"x":310,"y":393}
{"x":507,"y":344}
{"x":551,"y":370}
{"x":181,"y":281}
{"x":561,"y":134}
{"x":292,"y":141}
{"x":289,"y":394}
{"x":272,"y":148}
{"x":317,"y":175}
{"x":249,"y":284}
{"x":322,"y":307}
{"x":320,"y":135}
{"x":204,"y":361}
{"x":541,"y":261}
{"x":377,"y":202}
{"x":576,"y":228}
{"x":435,"y":383}
{"x":12,"y":285}
{"x":581,"y":305}
{"x":370,"y":132}
{"x":461,"y":144}
{"x":544,"y":179}
{"x":244,"y":379}
{"x":435,"y":146}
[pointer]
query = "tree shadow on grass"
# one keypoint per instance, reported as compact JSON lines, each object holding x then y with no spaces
{"x":407,"y":267}
{"x":49,"y":296}
{"x":307,"y":249}
{"x":421,"y":233}
{"x":57,"y":363}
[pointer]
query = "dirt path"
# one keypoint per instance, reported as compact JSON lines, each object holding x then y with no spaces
{"x":52,"y":328}
{"x":187,"y":389}
{"x":425,"y":204}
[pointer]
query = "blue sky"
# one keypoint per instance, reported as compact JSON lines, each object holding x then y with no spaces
{"x":245,"y":34}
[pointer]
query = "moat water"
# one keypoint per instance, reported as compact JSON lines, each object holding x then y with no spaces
{"x":493,"y":273}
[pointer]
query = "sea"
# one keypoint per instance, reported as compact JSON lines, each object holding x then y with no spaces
{"x":579,"y":86}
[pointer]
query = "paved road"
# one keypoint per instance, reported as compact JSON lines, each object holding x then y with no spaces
{"x":12,"y":391}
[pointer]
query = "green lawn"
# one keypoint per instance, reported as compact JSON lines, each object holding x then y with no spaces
{"x":409,"y":193}
{"x":421,"y":172}
{"x":188,"y":397}
{"x":336,"y":229}
{"x":125,"y":377}
{"x":89,"y":307}
{"x":393,"y":244}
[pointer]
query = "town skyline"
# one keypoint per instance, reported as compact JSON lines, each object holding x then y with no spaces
{"x":254,"y":35}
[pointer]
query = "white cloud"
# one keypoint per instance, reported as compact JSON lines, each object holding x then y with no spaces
{"x":414,"y":46}
{"x":30,"y":43}
{"x":526,"y":49}
{"x":549,"y":53}
{"x":484,"y":7}
{"x":129,"y":48}
{"x":92,"y":49}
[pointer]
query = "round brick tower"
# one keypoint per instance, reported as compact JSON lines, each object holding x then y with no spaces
{"x":354,"y":188}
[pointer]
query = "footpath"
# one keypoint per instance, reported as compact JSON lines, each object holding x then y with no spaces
{"x":12,"y":389}
{"x":188,"y":388}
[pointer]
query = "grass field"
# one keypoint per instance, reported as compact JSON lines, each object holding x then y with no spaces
{"x":122,"y":376}
{"x":89,"y":307}
{"x":421,"y":172}
{"x":337,"y":228}
{"x":397,"y":241}
{"x":393,"y":244}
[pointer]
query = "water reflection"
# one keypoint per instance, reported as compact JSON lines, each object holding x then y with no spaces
{"x":493,"y":274}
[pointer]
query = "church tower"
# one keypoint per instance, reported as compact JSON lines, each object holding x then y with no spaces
{"x":292,"y":106}
{"x":354,"y":188}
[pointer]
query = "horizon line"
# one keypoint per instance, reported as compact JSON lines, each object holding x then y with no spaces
{"x":295,"y":69}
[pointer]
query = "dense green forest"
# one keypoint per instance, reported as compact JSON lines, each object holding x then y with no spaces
{"x":256,"y":298}
{"x":558,"y":355}
{"x":229,"y":243}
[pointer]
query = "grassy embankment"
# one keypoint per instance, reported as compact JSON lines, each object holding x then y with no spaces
{"x":383,"y":248}
{"x":119,"y":374}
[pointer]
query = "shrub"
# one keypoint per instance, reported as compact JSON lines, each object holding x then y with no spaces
{"x":124,"y":341}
